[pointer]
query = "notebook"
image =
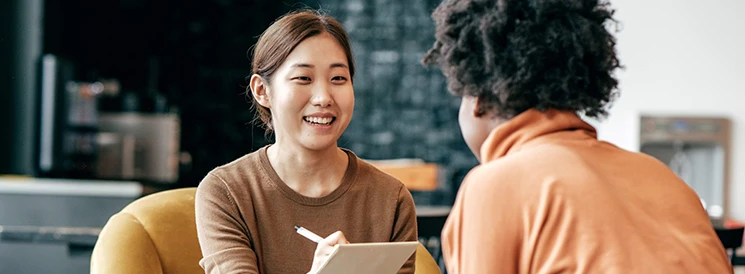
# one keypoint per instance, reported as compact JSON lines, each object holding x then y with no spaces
{"x":368,"y":258}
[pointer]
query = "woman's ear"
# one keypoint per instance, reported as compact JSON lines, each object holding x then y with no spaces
{"x":259,"y":88}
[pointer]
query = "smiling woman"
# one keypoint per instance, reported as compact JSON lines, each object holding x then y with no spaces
{"x":278,"y":41}
{"x":310,"y":93}
{"x":246,"y":210}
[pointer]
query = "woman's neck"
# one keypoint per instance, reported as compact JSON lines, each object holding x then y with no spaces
{"x":309,"y":173}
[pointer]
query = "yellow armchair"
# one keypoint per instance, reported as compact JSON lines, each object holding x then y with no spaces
{"x":157,"y":234}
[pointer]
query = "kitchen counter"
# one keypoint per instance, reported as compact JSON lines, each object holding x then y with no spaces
{"x":432,"y":211}
{"x":74,"y":236}
{"x":51,"y":225}
{"x":69,"y":187}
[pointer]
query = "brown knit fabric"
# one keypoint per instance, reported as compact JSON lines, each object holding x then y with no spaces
{"x":246,"y":216}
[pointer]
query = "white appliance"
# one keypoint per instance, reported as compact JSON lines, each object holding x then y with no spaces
{"x":695,"y":148}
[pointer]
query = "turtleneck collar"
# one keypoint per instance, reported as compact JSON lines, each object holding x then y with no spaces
{"x":530,"y":125}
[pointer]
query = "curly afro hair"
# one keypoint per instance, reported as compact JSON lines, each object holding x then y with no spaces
{"x":515,"y":55}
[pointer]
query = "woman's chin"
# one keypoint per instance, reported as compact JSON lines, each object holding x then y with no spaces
{"x":319,"y":143}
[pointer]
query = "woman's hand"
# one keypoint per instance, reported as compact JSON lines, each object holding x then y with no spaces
{"x":324,"y":248}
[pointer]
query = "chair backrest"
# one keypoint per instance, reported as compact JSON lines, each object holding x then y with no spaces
{"x":157,"y":234}
{"x":154,"y":234}
{"x":731,"y":237}
{"x":425,"y":263}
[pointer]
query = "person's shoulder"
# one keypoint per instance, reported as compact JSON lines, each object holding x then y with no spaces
{"x":369,"y":172}
{"x":510,"y":166}
{"x":250,"y":160}
{"x":507,"y":178}
{"x":376,"y":177}
{"x":227,"y":174}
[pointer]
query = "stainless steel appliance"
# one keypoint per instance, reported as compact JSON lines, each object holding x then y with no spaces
{"x":80,"y":138}
{"x":68,"y":121}
{"x":138,"y":146}
{"x":695,"y":148}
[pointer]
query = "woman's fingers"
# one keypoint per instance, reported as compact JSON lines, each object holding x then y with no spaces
{"x":336,"y":238}
{"x":325,"y":247}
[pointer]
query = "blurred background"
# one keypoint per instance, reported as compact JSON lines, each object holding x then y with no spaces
{"x":103,"y":102}
{"x":187,"y":61}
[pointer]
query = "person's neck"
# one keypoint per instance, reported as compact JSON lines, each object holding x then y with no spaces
{"x":311,"y":173}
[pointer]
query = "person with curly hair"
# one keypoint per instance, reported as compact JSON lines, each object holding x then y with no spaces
{"x":548,"y":196}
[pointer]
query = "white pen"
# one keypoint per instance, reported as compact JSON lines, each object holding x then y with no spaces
{"x":307,"y":234}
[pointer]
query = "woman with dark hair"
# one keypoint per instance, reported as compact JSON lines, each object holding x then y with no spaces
{"x":548,"y":196}
{"x":247,"y":210}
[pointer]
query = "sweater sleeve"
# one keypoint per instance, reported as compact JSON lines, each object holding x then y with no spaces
{"x":223,"y":237}
{"x":405,"y":226}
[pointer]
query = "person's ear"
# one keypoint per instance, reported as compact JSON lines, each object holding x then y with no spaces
{"x":259,"y":90}
{"x":477,"y":111}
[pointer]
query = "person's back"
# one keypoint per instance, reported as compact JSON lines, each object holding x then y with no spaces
{"x":549,"y":197}
{"x":585,"y":206}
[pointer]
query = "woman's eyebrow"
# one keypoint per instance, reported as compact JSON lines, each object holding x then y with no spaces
{"x":304,"y":65}
{"x":339,"y":65}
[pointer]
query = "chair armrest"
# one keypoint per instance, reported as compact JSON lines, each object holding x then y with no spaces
{"x":124,"y":246}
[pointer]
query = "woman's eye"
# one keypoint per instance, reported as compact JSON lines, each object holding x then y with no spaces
{"x":339,"y":78}
{"x":302,"y":78}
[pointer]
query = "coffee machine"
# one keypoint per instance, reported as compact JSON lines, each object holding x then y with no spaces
{"x":68,"y":121}
{"x":139,"y":146}
{"x":697,"y":149}
{"x":82,"y":136}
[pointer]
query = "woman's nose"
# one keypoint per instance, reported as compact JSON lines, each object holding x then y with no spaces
{"x":321,"y":96}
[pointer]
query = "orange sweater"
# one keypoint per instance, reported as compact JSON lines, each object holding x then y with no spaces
{"x":550,"y":198}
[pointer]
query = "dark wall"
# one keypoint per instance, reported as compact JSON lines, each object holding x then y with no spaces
{"x":402,"y":109}
{"x":200,"y":47}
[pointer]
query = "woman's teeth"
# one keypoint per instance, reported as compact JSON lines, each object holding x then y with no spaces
{"x":319,"y":120}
